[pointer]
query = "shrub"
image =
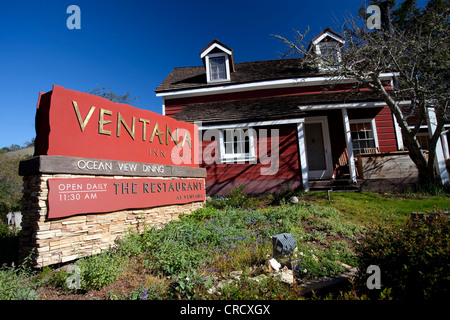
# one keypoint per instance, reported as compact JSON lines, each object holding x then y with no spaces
{"x":246,"y":288}
{"x":237,"y":197}
{"x":316,"y":262}
{"x":15,"y":284}
{"x":413,"y":259}
{"x":171,"y":250}
{"x":191,"y":285}
{"x":98,"y":271}
{"x":130,"y":244}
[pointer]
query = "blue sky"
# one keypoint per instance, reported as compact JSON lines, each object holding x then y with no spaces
{"x":133,"y":45}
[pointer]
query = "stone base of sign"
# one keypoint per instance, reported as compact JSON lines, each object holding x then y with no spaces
{"x":60,"y":240}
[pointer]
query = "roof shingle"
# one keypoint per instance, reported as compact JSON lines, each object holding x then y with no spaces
{"x":245,"y":72}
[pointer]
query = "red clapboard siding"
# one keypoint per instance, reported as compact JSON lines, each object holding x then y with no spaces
{"x":385,"y":130}
{"x":172,"y":110}
{"x":227,"y":175}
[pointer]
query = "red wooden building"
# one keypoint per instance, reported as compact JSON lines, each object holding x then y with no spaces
{"x":273,"y":124}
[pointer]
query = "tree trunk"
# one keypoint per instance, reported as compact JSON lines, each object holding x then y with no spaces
{"x":425,"y":168}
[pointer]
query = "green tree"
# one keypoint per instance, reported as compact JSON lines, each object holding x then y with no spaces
{"x":10,"y":184}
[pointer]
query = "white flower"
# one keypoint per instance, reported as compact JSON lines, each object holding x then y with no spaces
{"x":305,"y":271}
{"x":301,"y":253}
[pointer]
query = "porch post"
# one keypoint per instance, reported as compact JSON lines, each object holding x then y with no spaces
{"x":440,"y":158}
{"x":302,"y":154}
{"x":348,"y":141}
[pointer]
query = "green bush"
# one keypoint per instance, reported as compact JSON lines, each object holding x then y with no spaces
{"x":246,"y":288}
{"x":191,"y":285}
{"x":413,"y":259}
{"x":130,"y":244}
{"x":15,"y":284}
{"x":171,"y":250}
{"x":98,"y":271}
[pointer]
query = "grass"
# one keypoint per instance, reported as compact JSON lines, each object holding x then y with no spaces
{"x":187,"y":259}
{"x":369,"y":209}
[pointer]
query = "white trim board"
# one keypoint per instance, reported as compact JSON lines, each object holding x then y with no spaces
{"x":249,"y":124}
{"x":328,"y":34}
{"x":328,"y":172}
{"x":213,"y":46}
{"x":372,"y":104}
{"x":260,"y":85}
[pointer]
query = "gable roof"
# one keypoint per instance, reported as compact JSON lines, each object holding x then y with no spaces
{"x":216,"y":44}
{"x":328,"y":32}
{"x":245,"y":72}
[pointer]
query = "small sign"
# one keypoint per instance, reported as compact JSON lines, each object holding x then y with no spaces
{"x":68,"y":197}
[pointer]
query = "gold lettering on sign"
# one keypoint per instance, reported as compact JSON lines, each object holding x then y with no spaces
{"x":120,"y":120}
{"x":169,"y":133}
{"x":157,"y":133}
{"x":102,"y":121}
{"x":144,"y":127}
{"x":82,"y":122}
{"x":186,"y":139}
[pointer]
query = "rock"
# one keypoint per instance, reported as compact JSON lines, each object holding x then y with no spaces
{"x":287,"y":277}
{"x":273,"y":265}
{"x":293,"y":199}
{"x":236,"y":274}
{"x":259,"y":278}
{"x":224,"y":283}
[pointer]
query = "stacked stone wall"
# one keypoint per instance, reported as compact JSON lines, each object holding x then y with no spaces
{"x":53,"y":241}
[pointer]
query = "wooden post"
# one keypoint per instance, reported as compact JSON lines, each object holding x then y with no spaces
{"x":440,"y":158}
{"x":302,"y":155}
{"x":348,"y":141}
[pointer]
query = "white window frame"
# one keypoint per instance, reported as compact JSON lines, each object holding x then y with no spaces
{"x":333,"y":44}
{"x":374,"y":130}
{"x":237,"y":157}
{"x":208,"y":67}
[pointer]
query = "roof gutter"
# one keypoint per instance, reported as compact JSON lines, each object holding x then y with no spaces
{"x":260,"y":85}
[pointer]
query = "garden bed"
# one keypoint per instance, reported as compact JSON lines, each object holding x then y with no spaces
{"x":198,"y":256}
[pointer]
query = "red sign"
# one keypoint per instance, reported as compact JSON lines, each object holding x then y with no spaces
{"x":69,"y":197}
{"x":77,"y":124}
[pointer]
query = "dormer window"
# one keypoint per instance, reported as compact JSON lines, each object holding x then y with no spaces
{"x":331,"y":52}
{"x":217,"y":69}
{"x":218,"y":61}
{"x":327,"y":45}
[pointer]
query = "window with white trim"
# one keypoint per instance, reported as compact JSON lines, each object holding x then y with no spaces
{"x":218,"y":70}
{"x":237,"y":145}
{"x":217,"y":67}
{"x":363,"y":136}
{"x":331,"y":52}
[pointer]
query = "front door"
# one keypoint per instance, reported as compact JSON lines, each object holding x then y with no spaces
{"x":318,"y":148}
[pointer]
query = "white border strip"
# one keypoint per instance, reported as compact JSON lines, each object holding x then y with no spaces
{"x":249,"y":124}
{"x":273,"y":84}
